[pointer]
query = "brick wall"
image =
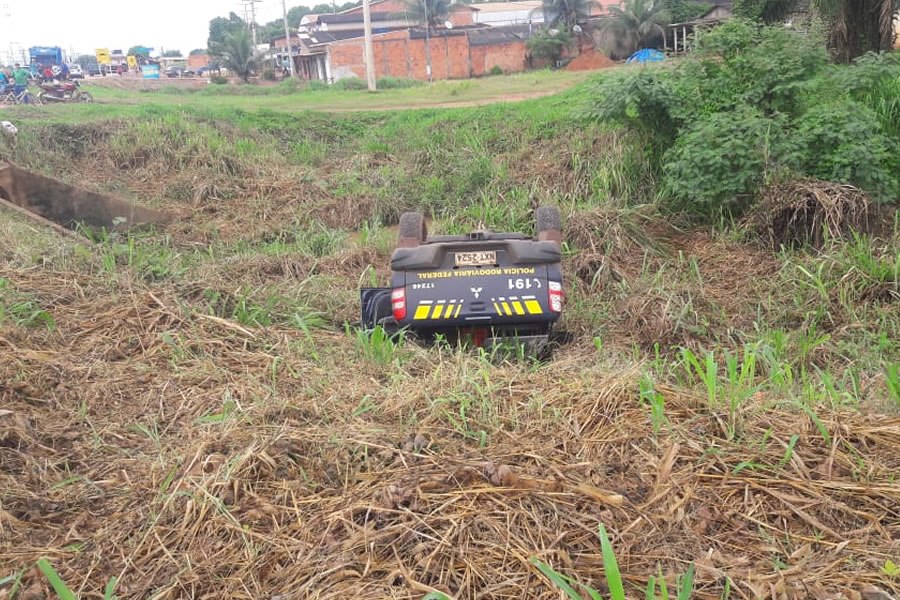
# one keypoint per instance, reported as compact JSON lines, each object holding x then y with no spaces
{"x":396,"y":55}
{"x":197,"y":61}
{"x":509,"y":57}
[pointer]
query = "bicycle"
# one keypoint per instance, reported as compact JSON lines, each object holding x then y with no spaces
{"x":24,"y":97}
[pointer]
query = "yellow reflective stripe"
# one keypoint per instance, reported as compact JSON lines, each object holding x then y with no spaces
{"x":437,"y":311}
{"x":458,"y":310}
{"x":517,"y":306}
{"x":497,"y":308}
{"x":534,"y":307}
{"x":421,"y":312}
{"x":506,"y":308}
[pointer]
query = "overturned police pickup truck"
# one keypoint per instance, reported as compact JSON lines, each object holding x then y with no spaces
{"x":482,"y":287}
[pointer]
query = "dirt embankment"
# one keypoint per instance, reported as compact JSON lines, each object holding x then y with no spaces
{"x":589,"y":61}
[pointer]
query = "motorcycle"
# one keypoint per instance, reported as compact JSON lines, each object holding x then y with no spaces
{"x":66,"y":91}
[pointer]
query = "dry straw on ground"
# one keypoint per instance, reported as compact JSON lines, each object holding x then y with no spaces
{"x":195,"y":458}
{"x":807,"y":212}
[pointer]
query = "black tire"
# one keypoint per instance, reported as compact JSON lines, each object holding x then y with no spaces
{"x":548,"y":224}
{"x":412,"y":230}
{"x":86,"y":97}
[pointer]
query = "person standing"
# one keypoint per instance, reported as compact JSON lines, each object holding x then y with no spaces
{"x":20,"y":76}
{"x":4,"y":81}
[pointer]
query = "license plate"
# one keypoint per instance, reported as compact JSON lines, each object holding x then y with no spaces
{"x":474,"y":259}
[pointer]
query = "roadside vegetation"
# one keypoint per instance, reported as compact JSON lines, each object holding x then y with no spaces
{"x":189,"y":411}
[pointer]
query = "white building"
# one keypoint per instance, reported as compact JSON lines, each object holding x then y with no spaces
{"x":501,"y":14}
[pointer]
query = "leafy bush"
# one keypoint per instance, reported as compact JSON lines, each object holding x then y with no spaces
{"x":349,"y":83}
{"x":496,"y":70}
{"x":218,"y":80}
{"x":548,"y":46}
{"x":755,"y":102}
{"x":767,"y":67}
{"x":843,"y":142}
{"x":316,"y":85}
{"x":644,"y":100}
{"x":268,"y":74}
{"x":721,"y":160}
{"x":686,"y":10}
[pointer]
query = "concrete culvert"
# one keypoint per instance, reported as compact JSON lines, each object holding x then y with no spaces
{"x":69,"y":206}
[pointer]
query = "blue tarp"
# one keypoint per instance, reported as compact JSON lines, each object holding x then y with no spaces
{"x":646,"y":55}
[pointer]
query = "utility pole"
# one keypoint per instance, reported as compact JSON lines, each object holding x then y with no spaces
{"x":427,"y":41}
{"x":252,"y":4}
{"x":287,"y":35}
{"x":369,"y":47}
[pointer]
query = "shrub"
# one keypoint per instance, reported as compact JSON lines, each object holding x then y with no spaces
{"x":547,"y":46}
{"x":755,"y":102}
{"x":496,"y":70}
{"x":645,"y":101}
{"x":767,"y":67}
{"x":842,"y":141}
{"x":396,"y":83}
{"x":268,"y":74}
{"x":349,"y":83}
{"x":218,"y":80}
{"x":721,"y":161}
{"x":316,"y":85}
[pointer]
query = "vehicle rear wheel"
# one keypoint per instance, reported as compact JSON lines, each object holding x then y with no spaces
{"x":549,"y":226}
{"x":86,"y":97}
{"x":412,"y":230}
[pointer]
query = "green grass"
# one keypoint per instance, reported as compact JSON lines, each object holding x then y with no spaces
{"x":112,"y":102}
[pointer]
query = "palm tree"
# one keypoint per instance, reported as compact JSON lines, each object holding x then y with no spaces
{"x":431,"y":13}
{"x":237,"y":53}
{"x":856,"y":26}
{"x":859,"y":26}
{"x":566,"y":13}
{"x":633,"y":25}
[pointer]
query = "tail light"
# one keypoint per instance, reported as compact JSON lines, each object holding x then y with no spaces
{"x":556,"y":296}
{"x":398,"y":303}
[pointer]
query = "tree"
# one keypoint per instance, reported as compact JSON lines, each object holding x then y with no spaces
{"x":634,"y":25}
{"x":237,"y":54}
{"x":548,"y":46}
{"x":767,"y":11}
{"x":172,"y":54}
{"x":688,"y":10}
{"x":198,"y":51}
{"x":296,"y":13}
{"x":431,"y":13}
{"x":859,"y":26}
{"x":566,"y":13}
{"x":139,"y":51}
{"x":221,"y":27}
{"x":856,"y":26}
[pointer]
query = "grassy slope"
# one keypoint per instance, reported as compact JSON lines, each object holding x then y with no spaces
{"x":202,"y":362}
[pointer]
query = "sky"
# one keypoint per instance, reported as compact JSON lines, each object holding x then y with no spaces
{"x":81,"y":26}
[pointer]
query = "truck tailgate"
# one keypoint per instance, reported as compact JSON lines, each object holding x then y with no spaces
{"x":479,"y":295}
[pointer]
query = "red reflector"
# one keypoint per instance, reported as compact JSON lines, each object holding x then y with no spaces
{"x":398,"y":303}
{"x":554,"y":289}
